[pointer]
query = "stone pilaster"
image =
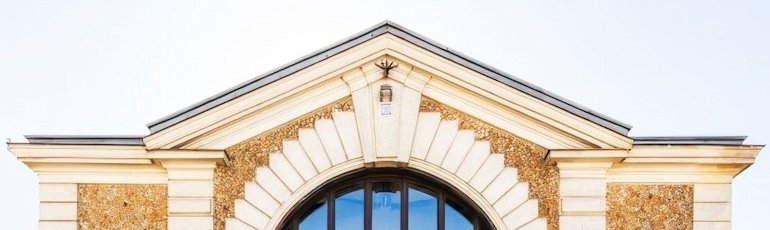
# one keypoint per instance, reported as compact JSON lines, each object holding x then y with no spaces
{"x":58,"y":206}
{"x":190,"y":193}
{"x":712,"y":207}
{"x":583,"y":190}
{"x":583,"y":186}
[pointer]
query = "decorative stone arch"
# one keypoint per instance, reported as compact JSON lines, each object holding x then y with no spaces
{"x":384,"y":115}
{"x":440,"y":149}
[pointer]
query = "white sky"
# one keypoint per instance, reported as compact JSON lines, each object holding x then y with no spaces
{"x":109,"y":67}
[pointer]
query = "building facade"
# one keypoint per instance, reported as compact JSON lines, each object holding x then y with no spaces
{"x":386,"y":129}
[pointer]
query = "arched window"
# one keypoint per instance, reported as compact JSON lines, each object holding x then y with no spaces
{"x":379,"y":199}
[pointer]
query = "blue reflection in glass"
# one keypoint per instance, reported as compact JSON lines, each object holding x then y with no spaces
{"x":386,"y":207}
{"x":316,"y":220}
{"x":423,"y":210}
{"x":454,"y":220}
{"x":349,"y":211}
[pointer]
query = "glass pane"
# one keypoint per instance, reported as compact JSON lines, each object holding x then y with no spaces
{"x":316,"y":220}
{"x":386,"y":206}
{"x":423,"y":210}
{"x":454,"y":219}
{"x":349,"y":211}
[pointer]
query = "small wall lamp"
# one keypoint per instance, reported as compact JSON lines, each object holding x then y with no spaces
{"x":386,"y":93}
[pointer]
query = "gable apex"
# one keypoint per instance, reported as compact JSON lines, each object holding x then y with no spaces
{"x":388,"y":27}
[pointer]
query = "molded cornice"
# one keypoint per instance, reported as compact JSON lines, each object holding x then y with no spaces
{"x":425,"y":72}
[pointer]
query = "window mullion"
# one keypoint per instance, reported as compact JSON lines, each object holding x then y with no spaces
{"x":368,"y":205}
{"x":401,"y":184}
{"x":404,"y":206}
{"x":441,"y":216}
{"x":330,"y":212}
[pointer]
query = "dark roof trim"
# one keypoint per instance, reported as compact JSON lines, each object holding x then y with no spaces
{"x":408,"y":35}
{"x":84,"y":140}
{"x":266,"y":78}
{"x":691,"y":140}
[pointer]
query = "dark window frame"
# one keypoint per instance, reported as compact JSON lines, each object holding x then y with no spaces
{"x":405,"y":179}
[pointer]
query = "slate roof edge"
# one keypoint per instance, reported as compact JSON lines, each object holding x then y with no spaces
{"x":408,"y":35}
{"x":690,"y":140}
{"x":85,"y":140}
{"x":132,"y":140}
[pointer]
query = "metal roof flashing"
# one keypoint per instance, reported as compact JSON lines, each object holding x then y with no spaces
{"x":690,"y":140}
{"x":403,"y":33}
{"x":84,"y":140}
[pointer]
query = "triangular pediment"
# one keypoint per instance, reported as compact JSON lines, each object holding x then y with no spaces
{"x":423,"y":67}
{"x":383,"y":103}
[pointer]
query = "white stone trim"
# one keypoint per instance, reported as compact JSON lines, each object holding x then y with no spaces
{"x":58,"y":225}
{"x":681,"y":173}
{"x":449,"y":71}
{"x":314,"y":149}
{"x":276,"y":114}
{"x":410,"y":108}
{"x":364,"y":117}
{"x":712,"y":207}
{"x":191,"y":222}
{"x":58,"y":193}
{"x":58,"y":206}
{"x":352,"y":73}
{"x":327,"y":132}
{"x":279,"y":91}
{"x":190,"y":193}
{"x":583,"y":192}
{"x":427,"y":125}
{"x":345,"y":122}
{"x":386,"y":126}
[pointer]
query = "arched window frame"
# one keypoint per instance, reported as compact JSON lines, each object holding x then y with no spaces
{"x":406,"y":178}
